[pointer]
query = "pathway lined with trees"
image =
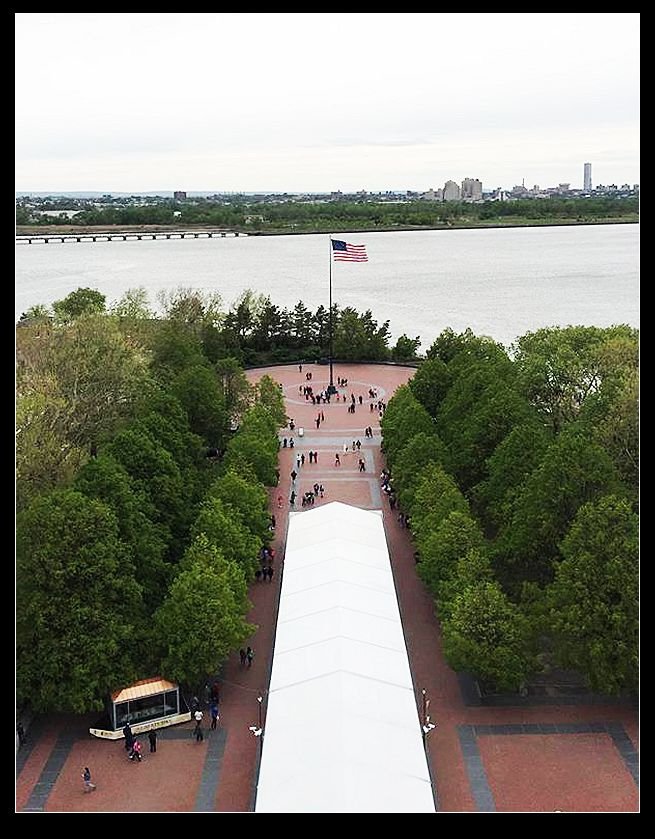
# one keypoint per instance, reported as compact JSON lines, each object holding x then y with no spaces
{"x":148,"y":468}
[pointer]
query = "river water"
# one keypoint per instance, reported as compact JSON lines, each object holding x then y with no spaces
{"x":498,"y":282}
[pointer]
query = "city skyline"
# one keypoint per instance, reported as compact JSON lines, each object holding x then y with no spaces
{"x":299,"y":103}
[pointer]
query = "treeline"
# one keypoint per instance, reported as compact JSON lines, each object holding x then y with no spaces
{"x":334,"y":216}
{"x":142,"y":465}
{"x":519,"y":474}
{"x":253,"y":330}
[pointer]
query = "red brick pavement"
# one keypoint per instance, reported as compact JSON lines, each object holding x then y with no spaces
{"x":530,"y":773}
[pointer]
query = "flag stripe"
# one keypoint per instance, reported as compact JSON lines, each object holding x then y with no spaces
{"x":345,"y":252}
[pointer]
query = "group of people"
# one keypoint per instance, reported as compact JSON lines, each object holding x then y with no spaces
{"x":368,"y":432}
{"x":246,"y":656}
{"x":311,"y":495}
{"x":387,"y":489}
{"x":133,"y":744}
{"x":266,"y":558}
{"x":320,"y":398}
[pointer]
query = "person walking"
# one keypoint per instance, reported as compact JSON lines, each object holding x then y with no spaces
{"x":294,"y":475}
{"x":242,"y":656}
{"x":129,"y":737}
{"x":213,"y":710}
{"x":22,"y":739}
{"x":250,"y":654}
{"x":198,"y":729}
{"x":86,"y":777}
{"x":152,"y":737}
{"x":136,"y":751}
{"x":337,"y":460}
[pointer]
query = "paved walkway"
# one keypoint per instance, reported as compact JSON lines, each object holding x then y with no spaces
{"x":534,"y":759}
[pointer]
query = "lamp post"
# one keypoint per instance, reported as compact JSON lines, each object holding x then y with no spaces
{"x":331,"y":388}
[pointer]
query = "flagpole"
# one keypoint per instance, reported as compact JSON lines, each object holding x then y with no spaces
{"x":331,"y":388}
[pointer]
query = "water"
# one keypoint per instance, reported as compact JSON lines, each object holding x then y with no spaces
{"x":500,"y":283}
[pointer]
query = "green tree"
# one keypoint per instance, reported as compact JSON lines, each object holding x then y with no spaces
{"x":192,"y":307}
{"x":228,"y":532}
{"x":488,"y":636}
{"x":471,"y":568}
{"x":301,"y":319}
{"x":442,"y":548}
{"x":511,"y":463}
{"x":430,"y":384}
{"x":175,"y":347}
{"x":473,"y":427}
{"x":561,"y":367}
{"x":107,"y":481}
{"x":406,"y":349}
{"x":270,"y":396}
{"x":358,"y":337}
{"x":203,"y":618}
{"x":97,"y":373}
{"x":594,"y":599}
{"x":435,"y":498}
{"x":36,"y":313}
{"x":450,"y":344}
{"x":402,"y":423}
{"x":574,"y":470}
{"x":618,"y":430}
{"x":253,"y":451}
{"x":45,"y":457}
{"x":420,"y":450}
{"x":82,"y":301}
{"x":76,"y":602}
{"x":201,"y":395}
{"x":247,"y":501}
{"x":237,"y":390}
{"x":156,"y":475}
{"x":133,"y":305}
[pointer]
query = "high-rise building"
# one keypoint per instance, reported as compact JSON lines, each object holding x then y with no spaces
{"x":471,"y":189}
{"x":587,"y":177}
{"x":451,"y":191}
{"x":179,"y":195}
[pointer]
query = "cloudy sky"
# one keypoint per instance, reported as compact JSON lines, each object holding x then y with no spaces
{"x":320,"y":102}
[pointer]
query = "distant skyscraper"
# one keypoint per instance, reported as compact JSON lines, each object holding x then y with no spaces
{"x":451,"y":191}
{"x":587,"y":177}
{"x":471,"y":189}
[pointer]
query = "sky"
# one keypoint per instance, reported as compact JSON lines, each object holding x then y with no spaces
{"x":283,"y":102}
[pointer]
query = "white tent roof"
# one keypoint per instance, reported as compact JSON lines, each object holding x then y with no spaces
{"x":342,"y":729}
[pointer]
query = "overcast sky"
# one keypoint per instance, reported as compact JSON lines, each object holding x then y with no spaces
{"x":320,"y":102}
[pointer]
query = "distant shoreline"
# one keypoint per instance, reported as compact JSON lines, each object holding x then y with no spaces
{"x":77,"y":230}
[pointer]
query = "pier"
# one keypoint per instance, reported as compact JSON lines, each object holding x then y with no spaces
{"x":125,"y":236}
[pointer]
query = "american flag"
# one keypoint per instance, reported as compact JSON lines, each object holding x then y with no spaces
{"x":345,"y":252}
